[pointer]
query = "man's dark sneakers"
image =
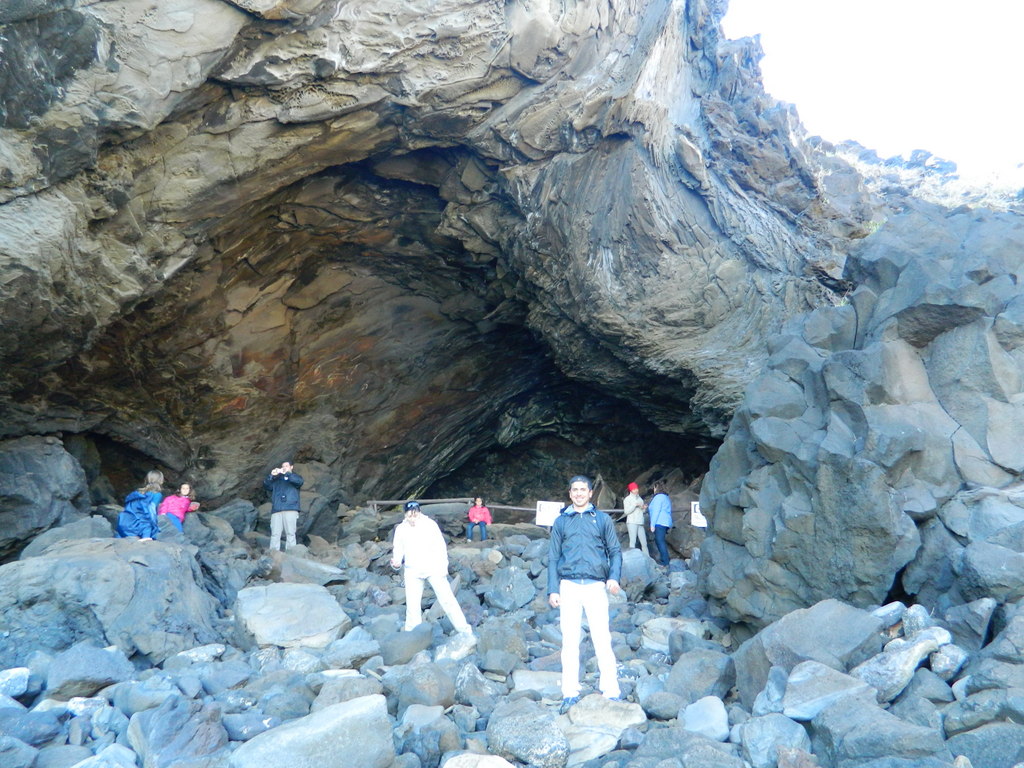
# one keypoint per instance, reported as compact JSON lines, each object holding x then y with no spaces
{"x":567,"y":704}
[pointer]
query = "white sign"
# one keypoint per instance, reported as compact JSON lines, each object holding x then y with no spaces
{"x":547,"y":512}
{"x":696,"y":518}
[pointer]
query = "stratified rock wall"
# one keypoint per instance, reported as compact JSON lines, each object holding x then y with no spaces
{"x":364,"y":233}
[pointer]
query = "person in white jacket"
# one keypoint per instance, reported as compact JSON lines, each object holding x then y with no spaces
{"x":418,"y":544}
{"x":633,"y":506}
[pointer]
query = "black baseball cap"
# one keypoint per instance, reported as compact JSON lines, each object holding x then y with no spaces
{"x":411,"y":505}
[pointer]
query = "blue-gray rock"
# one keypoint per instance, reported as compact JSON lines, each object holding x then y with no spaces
{"x":760,"y":738}
{"x":510,"y":588}
{"x":425,"y":732}
{"x":995,"y":745}
{"x":132,"y":697}
{"x":42,"y":485}
{"x":708,"y":717}
{"x":890,"y":671}
{"x":123,"y":592}
{"x":524,"y":731}
{"x":701,"y":673}
{"x":427,"y":684}
{"x":400,"y":647}
{"x":242,"y":726}
{"x":812,"y":687}
{"x":356,"y":733}
{"x":978,"y":709}
{"x":345,"y":688}
{"x":350,"y":651}
{"x":32,"y":728}
{"x":61,"y":756}
{"x":94,"y":527}
{"x":15,"y":753}
{"x":851,"y":731}
{"x":680,"y":746}
{"x":14,"y":682}
{"x":177,"y":731}
{"x":84,"y":669}
{"x":833,"y":633}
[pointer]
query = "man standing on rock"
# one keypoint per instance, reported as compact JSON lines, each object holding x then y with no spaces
{"x":419,"y":544}
{"x":584,"y":563}
{"x":283,"y":486}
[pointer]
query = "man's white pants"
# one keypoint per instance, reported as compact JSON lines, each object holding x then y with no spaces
{"x":574,"y":599}
{"x":286,"y":522}
{"x":636,"y":531}
{"x":445,"y":597}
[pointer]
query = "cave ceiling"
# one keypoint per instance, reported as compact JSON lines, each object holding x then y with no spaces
{"x":386,"y":238}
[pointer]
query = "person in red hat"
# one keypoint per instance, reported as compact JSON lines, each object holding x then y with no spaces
{"x":633,"y":505}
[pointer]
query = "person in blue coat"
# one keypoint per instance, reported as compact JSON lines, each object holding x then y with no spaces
{"x":138,"y":518}
{"x":584,"y":565}
{"x":283,"y":485}
{"x":660,"y":510}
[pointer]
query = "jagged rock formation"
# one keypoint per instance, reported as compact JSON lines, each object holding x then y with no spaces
{"x":880,"y":449}
{"x":388,"y":236}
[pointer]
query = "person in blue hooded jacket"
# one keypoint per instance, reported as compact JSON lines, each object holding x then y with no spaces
{"x":138,"y":518}
{"x":283,"y":485}
{"x":584,"y":564}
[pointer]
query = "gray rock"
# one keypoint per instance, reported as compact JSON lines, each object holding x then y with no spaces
{"x":345,"y":688}
{"x":15,"y":753}
{"x":686,"y":747}
{"x":812,"y":687}
{"x":638,"y":572}
{"x":42,"y":485}
{"x":523,"y":731}
{"x":930,"y":686}
{"x":84,"y":669}
{"x":117,"y":591}
{"x":770,"y":698}
{"x":400,"y":647}
{"x":33,"y":728}
{"x":240,"y":514}
{"x":499,"y":661}
{"x":851,"y":731}
{"x":662,"y":705}
{"x":701,"y":673}
{"x":95,"y":527}
{"x":62,"y":756}
{"x":350,"y":651}
{"x":289,"y":615}
{"x":948,"y":660}
{"x":510,"y":588}
{"x":427,"y":684}
{"x":830,"y":632}
{"x":178,"y":730}
{"x":969,"y":623}
{"x":132,"y":697}
{"x":473,"y":689}
{"x":984,"y":707}
{"x":356,"y":732}
{"x":595,"y":725}
{"x":761,"y":737}
{"x":989,"y":570}
{"x":1008,"y":645}
{"x":14,"y":682}
{"x":889,"y":672}
{"x":426,"y":733}
{"x":503,"y":634}
{"x":990,"y":746}
{"x":706,"y":716}
{"x":242,"y":726}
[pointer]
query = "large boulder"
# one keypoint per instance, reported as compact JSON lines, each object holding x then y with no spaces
{"x":356,"y":732}
{"x":41,"y":485}
{"x":291,"y":615}
{"x":142,"y":596}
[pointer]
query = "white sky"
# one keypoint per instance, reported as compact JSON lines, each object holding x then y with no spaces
{"x":945,"y":76}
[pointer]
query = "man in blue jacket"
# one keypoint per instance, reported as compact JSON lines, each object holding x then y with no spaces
{"x":283,"y":486}
{"x":584,"y":563}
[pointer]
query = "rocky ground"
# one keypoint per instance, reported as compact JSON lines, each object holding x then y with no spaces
{"x":202,"y":651}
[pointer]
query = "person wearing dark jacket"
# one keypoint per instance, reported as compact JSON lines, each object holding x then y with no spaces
{"x":584,"y":564}
{"x":138,"y":518}
{"x":283,"y":486}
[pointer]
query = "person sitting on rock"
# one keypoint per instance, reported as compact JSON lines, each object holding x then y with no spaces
{"x":283,"y":486}
{"x":177,"y":505}
{"x":479,"y":515}
{"x":138,"y":518}
{"x":419,"y":544}
{"x":584,"y":563}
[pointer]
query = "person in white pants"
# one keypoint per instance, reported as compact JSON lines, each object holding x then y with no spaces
{"x":584,"y":563}
{"x":418,"y":544}
{"x":633,"y":506}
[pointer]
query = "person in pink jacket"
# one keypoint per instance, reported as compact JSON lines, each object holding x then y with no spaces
{"x":177,"y":505}
{"x":478,"y":515}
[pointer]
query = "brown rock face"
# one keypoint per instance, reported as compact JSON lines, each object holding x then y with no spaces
{"x":389,"y":237}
